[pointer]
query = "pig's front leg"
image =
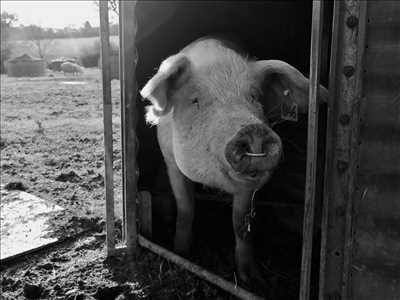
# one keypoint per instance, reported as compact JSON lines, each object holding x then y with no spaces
{"x":182,"y":188}
{"x":244,"y":253}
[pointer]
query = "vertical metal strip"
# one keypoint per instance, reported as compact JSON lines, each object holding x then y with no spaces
{"x":342,"y":148}
{"x":129,"y":119}
{"x":107,"y":121}
{"x":121,"y":88}
{"x":312,"y":150}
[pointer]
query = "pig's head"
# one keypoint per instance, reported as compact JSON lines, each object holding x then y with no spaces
{"x":216,"y":102}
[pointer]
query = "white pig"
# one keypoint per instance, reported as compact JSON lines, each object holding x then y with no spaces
{"x":209,"y":104}
{"x":69,"y":67}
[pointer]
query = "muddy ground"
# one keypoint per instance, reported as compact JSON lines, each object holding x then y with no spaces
{"x":52,"y":147}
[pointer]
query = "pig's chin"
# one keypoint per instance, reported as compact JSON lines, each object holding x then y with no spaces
{"x":252,"y":172}
{"x":250,"y":181}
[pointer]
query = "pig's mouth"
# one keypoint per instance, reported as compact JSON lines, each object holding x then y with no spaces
{"x":250,"y":170}
{"x":253,"y":178}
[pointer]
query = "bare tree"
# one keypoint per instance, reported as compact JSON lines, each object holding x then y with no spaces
{"x":36,"y":35}
{"x":7,"y":21}
{"x":112,"y":5}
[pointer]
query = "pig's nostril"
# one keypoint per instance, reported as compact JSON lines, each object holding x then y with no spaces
{"x":254,"y":173}
{"x":242,"y":147}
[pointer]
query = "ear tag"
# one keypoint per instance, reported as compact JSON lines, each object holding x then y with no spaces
{"x":289,"y":112}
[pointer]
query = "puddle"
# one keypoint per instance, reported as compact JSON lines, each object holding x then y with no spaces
{"x":23,"y":223}
{"x":73,"y":82}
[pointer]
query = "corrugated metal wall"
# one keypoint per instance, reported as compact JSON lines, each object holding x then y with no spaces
{"x":375,"y":270}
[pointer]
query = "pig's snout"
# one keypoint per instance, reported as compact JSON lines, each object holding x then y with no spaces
{"x":254,"y":150}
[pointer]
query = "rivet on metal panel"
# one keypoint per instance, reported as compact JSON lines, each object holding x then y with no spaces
{"x":344,"y":119}
{"x":348,"y":71}
{"x":342,"y":165}
{"x":337,"y":253}
{"x":352,"y":21}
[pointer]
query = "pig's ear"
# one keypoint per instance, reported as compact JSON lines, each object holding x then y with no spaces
{"x":285,"y":84}
{"x":171,"y":74}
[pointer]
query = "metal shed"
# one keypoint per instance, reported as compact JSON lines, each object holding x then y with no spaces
{"x":360,"y":236}
{"x":25,"y":65}
{"x":362,"y":199}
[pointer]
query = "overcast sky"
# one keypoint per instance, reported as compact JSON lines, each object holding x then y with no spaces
{"x":54,"y":14}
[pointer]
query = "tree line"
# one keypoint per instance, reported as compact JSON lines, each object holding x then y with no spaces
{"x":30,"y":32}
{"x":12,"y":32}
{"x":40,"y":38}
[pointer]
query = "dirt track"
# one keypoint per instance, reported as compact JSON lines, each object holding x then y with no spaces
{"x":52,"y":126}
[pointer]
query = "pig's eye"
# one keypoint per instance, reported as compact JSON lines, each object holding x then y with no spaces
{"x":196,"y":101}
{"x":253,"y":96}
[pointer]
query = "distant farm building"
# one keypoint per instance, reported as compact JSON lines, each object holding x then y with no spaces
{"x":25,"y":66}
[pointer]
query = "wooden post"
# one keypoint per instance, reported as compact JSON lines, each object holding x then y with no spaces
{"x":312,"y":145}
{"x":128,"y":59}
{"x":145,"y":214}
{"x":107,"y":121}
{"x":121,"y":88}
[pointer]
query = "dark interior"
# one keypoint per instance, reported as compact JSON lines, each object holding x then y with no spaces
{"x":267,"y":30}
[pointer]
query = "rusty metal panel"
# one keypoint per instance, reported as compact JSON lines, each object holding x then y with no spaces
{"x":345,"y":83}
{"x":375,"y":266}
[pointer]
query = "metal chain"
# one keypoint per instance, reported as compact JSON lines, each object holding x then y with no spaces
{"x":250,"y":216}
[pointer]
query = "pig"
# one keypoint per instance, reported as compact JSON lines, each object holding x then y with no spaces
{"x":211,"y":105}
{"x":69,"y":67}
